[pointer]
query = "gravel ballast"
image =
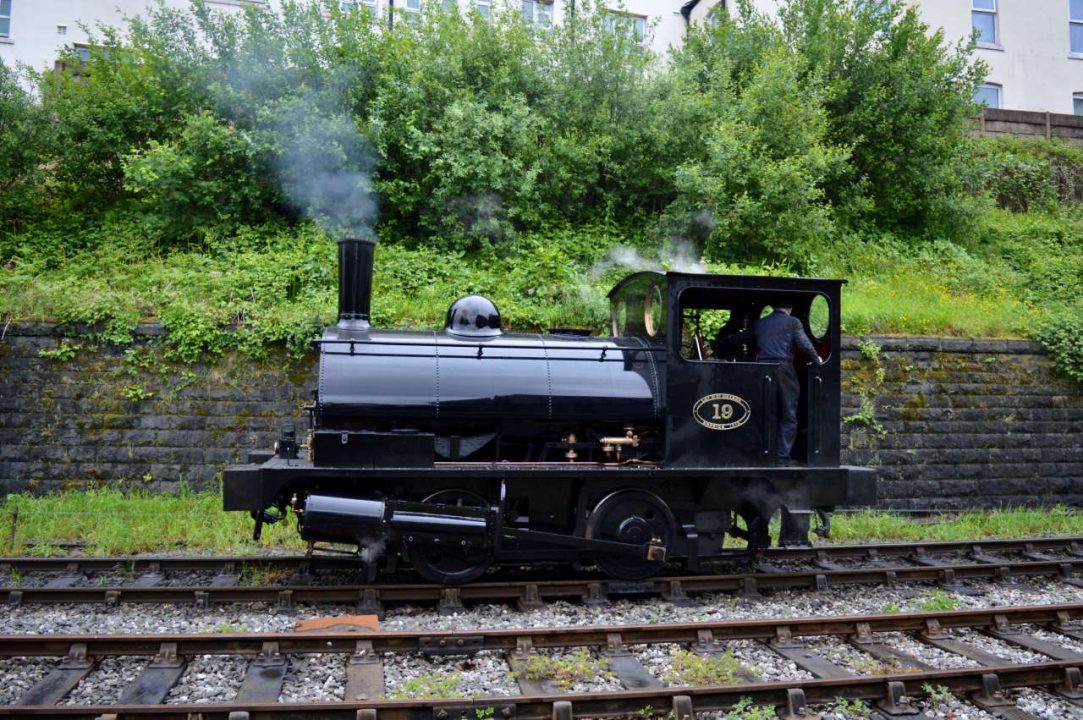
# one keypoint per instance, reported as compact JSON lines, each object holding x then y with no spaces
{"x":321,"y":677}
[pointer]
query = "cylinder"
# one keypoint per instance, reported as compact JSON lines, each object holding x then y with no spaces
{"x":354,"y":282}
{"x":328,"y":518}
{"x":438,"y":523}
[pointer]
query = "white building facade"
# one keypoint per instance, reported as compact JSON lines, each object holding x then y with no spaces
{"x":1034,"y":48}
{"x":33,"y":32}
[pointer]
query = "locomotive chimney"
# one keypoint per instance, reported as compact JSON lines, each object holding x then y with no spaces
{"x":354,"y":282}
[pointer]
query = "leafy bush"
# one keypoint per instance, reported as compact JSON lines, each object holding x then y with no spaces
{"x":1022,"y":174}
{"x":1017,"y":181}
{"x":1062,"y":336}
{"x":208,"y":179}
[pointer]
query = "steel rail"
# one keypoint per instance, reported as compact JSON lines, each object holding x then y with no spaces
{"x":316,"y":562}
{"x":985,"y":684}
{"x":683,"y":700}
{"x":529,"y":593}
{"x":504,"y":639}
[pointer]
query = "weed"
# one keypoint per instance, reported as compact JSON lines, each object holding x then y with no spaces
{"x":428,"y":686}
{"x":746,"y":710}
{"x":258,"y":576}
{"x":136,"y":393}
{"x":855,"y":709}
{"x":116,"y":521}
{"x":689,"y":668}
{"x":875,"y":666}
{"x":866,"y":384}
{"x":891,"y":608}
{"x":61,"y":353}
{"x":484,"y":713}
{"x":870,"y":351}
{"x":938,"y":693}
{"x":936,"y":601}
{"x":225,"y":628}
{"x":564,"y":671}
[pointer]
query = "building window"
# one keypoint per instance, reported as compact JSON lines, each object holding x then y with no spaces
{"x":369,"y":5}
{"x":411,"y":7}
{"x":1075,"y":25}
{"x":632,"y":26}
{"x":716,"y":14}
{"x":983,"y":15}
{"x":538,"y":13}
{"x":483,"y":7}
{"x":450,"y":5}
{"x":5,"y":18}
{"x":1077,"y":103}
{"x":989,"y":96}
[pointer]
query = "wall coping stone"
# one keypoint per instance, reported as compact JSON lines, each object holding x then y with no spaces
{"x":895,"y":343}
{"x":933,"y":343}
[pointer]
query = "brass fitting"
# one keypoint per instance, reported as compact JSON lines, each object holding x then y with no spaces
{"x":611,"y":444}
{"x":571,"y":454}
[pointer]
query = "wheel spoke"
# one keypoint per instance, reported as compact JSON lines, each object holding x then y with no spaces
{"x":637,"y":517}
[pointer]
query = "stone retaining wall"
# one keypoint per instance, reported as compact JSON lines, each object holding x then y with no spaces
{"x":950,"y":423}
{"x":964,"y":423}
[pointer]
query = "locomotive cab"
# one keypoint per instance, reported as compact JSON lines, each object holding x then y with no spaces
{"x":721,"y":401}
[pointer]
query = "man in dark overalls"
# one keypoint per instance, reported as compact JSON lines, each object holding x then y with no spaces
{"x":778,"y":336}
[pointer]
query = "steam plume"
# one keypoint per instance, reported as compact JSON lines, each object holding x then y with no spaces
{"x":325,"y":170}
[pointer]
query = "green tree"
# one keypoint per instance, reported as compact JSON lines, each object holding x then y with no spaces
{"x":101,"y":110}
{"x":24,"y":132}
{"x":765,"y":170}
{"x":900,"y":96}
{"x":209,"y":179}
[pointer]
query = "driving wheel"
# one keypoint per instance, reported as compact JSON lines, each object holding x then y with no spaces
{"x":632,"y":516}
{"x":456,"y":560}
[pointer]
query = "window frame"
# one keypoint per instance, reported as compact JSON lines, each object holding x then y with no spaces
{"x":372,"y":6}
{"x":6,"y":35}
{"x":535,"y":19}
{"x":1074,"y":22}
{"x":484,"y":7}
{"x":999,"y":95}
{"x":627,"y":23}
{"x":1077,"y":103}
{"x":995,"y":14}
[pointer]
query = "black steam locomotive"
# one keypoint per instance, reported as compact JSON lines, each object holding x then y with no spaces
{"x":466,"y":447}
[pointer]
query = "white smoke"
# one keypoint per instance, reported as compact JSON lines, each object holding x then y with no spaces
{"x":372,"y":550}
{"x":325,"y":170}
{"x":678,"y":255}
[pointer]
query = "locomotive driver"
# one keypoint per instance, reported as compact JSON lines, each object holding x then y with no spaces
{"x":778,"y":336}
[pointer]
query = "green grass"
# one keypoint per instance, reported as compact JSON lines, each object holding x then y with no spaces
{"x":279,"y":285}
{"x":111,"y":522}
{"x":910,"y":303}
{"x":878,"y":526}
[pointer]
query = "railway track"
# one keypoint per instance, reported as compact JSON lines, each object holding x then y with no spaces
{"x":871,"y":658}
{"x":317,"y":579}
